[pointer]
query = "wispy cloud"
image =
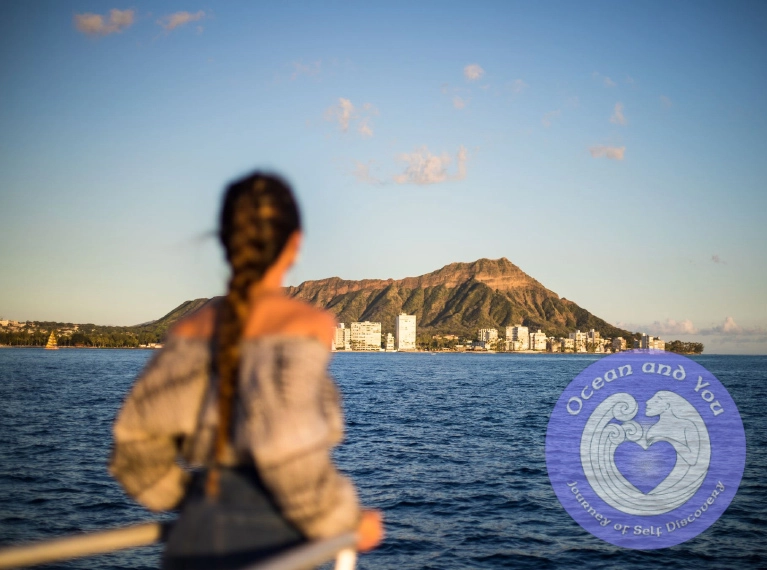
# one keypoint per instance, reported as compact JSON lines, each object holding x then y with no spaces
{"x":517,"y":86}
{"x":630,"y":80}
{"x":730,"y":328}
{"x":364,"y":128}
{"x":95,"y":24}
{"x":549,"y":117}
{"x":345,"y":114}
{"x":610,"y":152}
{"x":665,"y":102}
{"x":670,"y":327}
{"x":473,"y":72}
{"x":618,"y":118}
{"x":362,"y":172}
{"x":606,"y":81}
{"x":460,"y":102}
{"x":310,"y":69}
{"x":423,"y":167}
{"x":173,"y":21}
{"x":716,"y":259}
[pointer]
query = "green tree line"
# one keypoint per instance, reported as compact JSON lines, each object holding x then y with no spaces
{"x":91,"y":339}
{"x":684,"y":347}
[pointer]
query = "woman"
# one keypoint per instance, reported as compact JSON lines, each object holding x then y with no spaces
{"x":241,"y":392}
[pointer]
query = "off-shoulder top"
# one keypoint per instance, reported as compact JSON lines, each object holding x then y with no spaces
{"x":286,"y":420}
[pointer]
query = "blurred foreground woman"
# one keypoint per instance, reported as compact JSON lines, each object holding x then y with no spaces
{"x":234,"y":420}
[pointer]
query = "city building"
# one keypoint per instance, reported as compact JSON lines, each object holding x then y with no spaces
{"x":343,"y":338}
{"x":518,"y":337}
{"x":366,"y":336}
{"x":404,"y":332}
{"x":389,"y":342}
{"x":650,"y":342}
{"x":619,"y":343}
{"x":538,"y":340}
{"x":488,"y":335}
{"x":579,"y":338}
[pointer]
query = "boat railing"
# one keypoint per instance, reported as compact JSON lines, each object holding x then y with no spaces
{"x":308,"y":555}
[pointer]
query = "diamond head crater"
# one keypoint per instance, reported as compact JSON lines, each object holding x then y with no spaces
{"x":453,"y":306}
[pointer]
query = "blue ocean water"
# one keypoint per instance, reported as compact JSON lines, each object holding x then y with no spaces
{"x":450,"y":446}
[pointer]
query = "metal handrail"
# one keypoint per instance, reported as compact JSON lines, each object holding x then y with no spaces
{"x":301,"y":557}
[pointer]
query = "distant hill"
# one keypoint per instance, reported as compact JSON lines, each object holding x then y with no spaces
{"x":161,"y":325}
{"x":459,"y":298}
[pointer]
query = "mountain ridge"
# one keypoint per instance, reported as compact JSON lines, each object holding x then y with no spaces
{"x":457,"y":298}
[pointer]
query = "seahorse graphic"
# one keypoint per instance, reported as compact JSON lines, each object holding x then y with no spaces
{"x":679,"y":424}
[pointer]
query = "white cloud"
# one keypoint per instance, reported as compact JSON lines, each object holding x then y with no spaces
{"x":362,"y":173}
{"x":173,"y":21}
{"x":605,"y":80}
{"x":364,"y":127}
{"x":311,"y":69}
{"x":517,"y":86}
{"x":345,"y":113}
{"x":549,"y":117}
{"x":460,"y":103}
{"x":618,"y":118}
{"x":630,"y":80}
{"x":611,"y":152}
{"x":671,"y":327}
{"x":426,"y":168}
{"x":665,"y":102}
{"x":473,"y":72}
{"x":95,"y":25}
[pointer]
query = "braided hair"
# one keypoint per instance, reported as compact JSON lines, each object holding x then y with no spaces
{"x":258,"y":216}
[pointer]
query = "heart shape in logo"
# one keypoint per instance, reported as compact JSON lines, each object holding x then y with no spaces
{"x":645,"y":468}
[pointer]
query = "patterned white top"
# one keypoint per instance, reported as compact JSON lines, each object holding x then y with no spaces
{"x":287,"y":418}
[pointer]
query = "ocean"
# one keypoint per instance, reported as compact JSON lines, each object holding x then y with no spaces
{"x":449,"y":446}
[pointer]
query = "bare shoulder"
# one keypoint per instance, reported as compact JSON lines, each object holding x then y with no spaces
{"x":307,"y":320}
{"x":199,"y":324}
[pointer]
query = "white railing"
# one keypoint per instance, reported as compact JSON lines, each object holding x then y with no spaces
{"x":301,"y":557}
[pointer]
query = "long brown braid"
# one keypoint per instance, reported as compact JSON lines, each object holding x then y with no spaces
{"x":258,"y":216}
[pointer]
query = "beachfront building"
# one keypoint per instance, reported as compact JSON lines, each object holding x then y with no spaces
{"x":487,"y":339}
{"x":579,"y":339}
{"x":538,"y":340}
{"x":389,"y":342}
{"x":619,"y":343}
{"x":567,"y":344}
{"x":553,"y":344}
{"x":647,"y":342}
{"x":366,"y":336}
{"x":404,"y":332}
{"x":518,"y":338}
{"x":343,"y":338}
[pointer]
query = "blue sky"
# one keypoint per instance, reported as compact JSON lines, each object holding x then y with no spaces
{"x":615,"y":152}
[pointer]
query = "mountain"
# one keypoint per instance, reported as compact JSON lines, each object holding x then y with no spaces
{"x":459,"y":298}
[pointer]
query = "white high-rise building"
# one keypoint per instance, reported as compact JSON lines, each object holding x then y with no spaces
{"x":404,"y":332}
{"x":343,"y":337}
{"x":389,"y":342}
{"x":366,"y":336}
{"x":538,"y":340}
{"x":580,"y":340}
{"x":518,"y":337}
{"x":488,"y":335}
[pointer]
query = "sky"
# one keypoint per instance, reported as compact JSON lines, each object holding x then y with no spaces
{"x":614,"y":152}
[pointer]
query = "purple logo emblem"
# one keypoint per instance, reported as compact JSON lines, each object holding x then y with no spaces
{"x":645,"y":449}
